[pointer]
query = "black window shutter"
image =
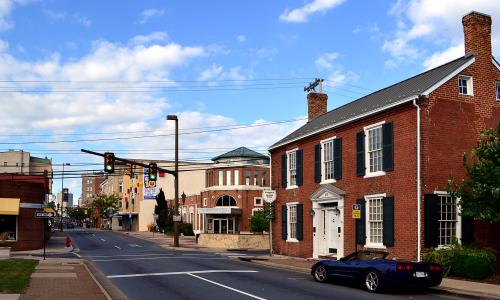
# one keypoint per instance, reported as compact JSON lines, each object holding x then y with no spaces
{"x":284,"y":217}
{"x":388,"y":226}
{"x":337,"y":158}
{"x":300,"y":177}
{"x":317,"y":163}
{"x":300,"y":222}
{"x":360,"y":224}
{"x":360,"y":153}
{"x":387,"y":147}
{"x":283,"y":171}
{"x":467,"y":230}
{"x":431,"y":225}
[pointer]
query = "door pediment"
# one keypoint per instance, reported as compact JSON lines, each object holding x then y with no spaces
{"x":327,"y":192}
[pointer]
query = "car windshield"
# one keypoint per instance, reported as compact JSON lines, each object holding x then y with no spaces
{"x":367,"y":255}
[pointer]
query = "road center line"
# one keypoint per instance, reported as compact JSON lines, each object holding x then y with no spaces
{"x":161,"y":257}
{"x":103,"y":240}
{"x":118,"y":247}
{"x":227,"y":287}
{"x":181,"y":273}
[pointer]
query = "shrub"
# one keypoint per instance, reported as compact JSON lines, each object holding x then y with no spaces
{"x":186,"y":229}
{"x":463,"y":261}
{"x":258,"y":222}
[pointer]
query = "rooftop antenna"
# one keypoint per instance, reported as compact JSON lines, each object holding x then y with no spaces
{"x":312,"y":86}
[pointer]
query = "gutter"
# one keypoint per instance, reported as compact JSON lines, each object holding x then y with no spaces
{"x":419,"y":196}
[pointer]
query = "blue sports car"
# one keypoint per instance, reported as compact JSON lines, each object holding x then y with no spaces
{"x":374,"y":271}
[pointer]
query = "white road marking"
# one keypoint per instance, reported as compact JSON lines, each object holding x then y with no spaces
{"x":118,"y":247}
{"x":181,"y":273}
{"x":103,"y":240}
{"x":148,"y":258}
{"x":125,"y":255}
{"x":77,"y":255}
{"x":230,"y":254}
{"x":135,"y":245}
{"x":227,"y":287}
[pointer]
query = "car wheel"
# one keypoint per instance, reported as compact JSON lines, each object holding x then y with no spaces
{"x":320,"y":273}
{"x":372,"y":281}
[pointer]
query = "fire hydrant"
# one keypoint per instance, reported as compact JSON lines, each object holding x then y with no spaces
{"x":68,"y":241}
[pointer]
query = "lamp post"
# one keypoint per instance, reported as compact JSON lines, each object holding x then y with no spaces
{"x":62,"y":193}
{"x":176,"y":179}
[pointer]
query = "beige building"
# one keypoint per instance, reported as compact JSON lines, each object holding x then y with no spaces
{"x":21,"y":162}
{"x":91,"y":187}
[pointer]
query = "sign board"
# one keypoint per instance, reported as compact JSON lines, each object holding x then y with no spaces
{"x":149,"y":189}
{"x":177,"y":218}
{"x":269,"y":195}
{"x":356,"y":211}
{"x":44,"y":215}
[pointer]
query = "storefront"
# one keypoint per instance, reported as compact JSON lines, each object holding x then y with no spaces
{"x":9,"y":212}
{"x":221,"y":219}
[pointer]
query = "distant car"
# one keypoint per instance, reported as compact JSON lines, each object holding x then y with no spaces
{"x":70,"y":225}
{"x":374,"y":271}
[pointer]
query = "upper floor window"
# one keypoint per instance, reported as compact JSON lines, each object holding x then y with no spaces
{"x":292,"y":167}
{"x":228,"y":178}
{"x":226,"y":201}
{"x":236,"y":177}
{"x":221,"y":177}
{"x":256,"y":178}
{"x":264,"y":175}
{"x":205,"y":202}
{"x":498,"y":91}
{"x":327,"y":160}
{"x":257,"y":201}
{"x":374,"y":145}
{"x":5,"y":164}
{"x":465,"y":85}
{"x":247,"y":177}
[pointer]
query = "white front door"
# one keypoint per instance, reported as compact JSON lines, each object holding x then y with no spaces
{"x":333,"y":231}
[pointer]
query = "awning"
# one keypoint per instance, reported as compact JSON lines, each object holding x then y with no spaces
{"x":221,"y":210}
{"x":49,"y":209}
{"x":9,"y":206}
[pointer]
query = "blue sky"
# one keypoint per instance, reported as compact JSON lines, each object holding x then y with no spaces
{"x":73,"y":70}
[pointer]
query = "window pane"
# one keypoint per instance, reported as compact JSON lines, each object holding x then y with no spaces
{"x":375,"y":149}
{"x":293,"y":167}
{"x":447,"y":219}
{"x":228,"y":178}
{"x":221,"y":178}
{"x":375,"y":220}
{"x":328,"y":160}
{"x":236,"y":177}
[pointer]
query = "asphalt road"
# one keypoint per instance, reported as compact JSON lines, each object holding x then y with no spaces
{"x":143,"y":270}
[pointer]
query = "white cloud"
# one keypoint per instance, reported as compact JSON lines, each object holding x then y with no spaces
{"x":145,"y":39}
{"x":73,"y":18}
{"x":439,"y":58}
{"x":440,"y":22}
{"x":324,"y":61}
{"x":301,"y":14}
{"x":6,"y":7}
{"x":216,"y":73}
{"x":147,"y":14}
{"x":241,"y":38}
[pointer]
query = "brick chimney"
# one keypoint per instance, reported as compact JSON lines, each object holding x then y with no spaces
{"x":316,"y":104}
{"x":477,"y":35}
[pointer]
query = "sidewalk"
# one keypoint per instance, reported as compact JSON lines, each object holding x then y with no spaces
{"x":452,"y":286}
{"x":167,"y":241}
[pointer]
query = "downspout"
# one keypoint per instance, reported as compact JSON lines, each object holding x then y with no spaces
{"x":419,"y":223}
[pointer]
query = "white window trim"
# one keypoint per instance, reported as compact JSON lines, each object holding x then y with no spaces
{"x":323,"y":180}
{"x":497,"y":86}
{"x":470,"y":85}
{"x":459,"y":220}
{"x":367,"y":231}
{"x":255,"y":201}
{"x":369,"y":174}
{"x":288,"y":239}
{"x":205,"y":202}
{"x":288,"y":185}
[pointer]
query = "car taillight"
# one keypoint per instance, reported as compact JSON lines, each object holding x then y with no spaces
{"x":400,"y":267}
{"x":408,"y":267}
{"x":435,"y":268}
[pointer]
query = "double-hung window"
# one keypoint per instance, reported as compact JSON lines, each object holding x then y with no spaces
{"x":228,"y":178}
{"x":375,"y":221}
{"x":236,"y":177}
{"x":327,"y":160}
{"x":448,"y":219}
{"x":465,"y":85}
{"x":292,"y":168}
{"x":498,"y":91}
{"x":221,"y":177}
{"x":292,"y":222}
{"x":374,"y":157}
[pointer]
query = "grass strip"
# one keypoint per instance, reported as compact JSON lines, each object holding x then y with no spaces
{"x":15,"y":275}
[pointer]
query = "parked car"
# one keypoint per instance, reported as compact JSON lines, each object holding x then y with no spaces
{"x":374,"y":271}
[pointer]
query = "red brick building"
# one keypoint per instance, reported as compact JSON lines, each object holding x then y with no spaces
{"x":20,"y":197}
{"x":233,"y":191}
{"x":392,"y":153}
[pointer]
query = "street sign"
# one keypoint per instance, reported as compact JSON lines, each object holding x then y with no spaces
{"x":45,"y":205}
{"x":269,"y":195}
{"x":44,"y":215}
{"x":356,"y":211}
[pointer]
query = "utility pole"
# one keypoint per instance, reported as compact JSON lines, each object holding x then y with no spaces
{"x":62,"y":193}
{"x":312,"y":86}
{"x":176,"y":178}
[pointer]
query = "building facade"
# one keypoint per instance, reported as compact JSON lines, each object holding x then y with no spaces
{"x":21,"y":162}
{"x":91,"y":187}
{"x":391,"y":154}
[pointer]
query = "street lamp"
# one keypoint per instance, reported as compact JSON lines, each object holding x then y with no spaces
{"x":176,"y":178}
{"x":62,"y":193}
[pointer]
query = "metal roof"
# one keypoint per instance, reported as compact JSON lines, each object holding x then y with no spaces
{"x":388,"y":97}
{"x":241,"y":152}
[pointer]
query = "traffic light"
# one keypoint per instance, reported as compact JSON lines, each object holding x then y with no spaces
{"x":109,"y":162}
{"x":152,"y":171}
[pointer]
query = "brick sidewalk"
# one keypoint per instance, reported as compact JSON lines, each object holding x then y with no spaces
{"x":63,"y":278}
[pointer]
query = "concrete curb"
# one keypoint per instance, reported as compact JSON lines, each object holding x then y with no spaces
{"x":440,"y":290}
{"x":107,"y":287}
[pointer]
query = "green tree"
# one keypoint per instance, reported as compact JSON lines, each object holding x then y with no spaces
{"x":258,"y":222}
{"x":165,"y":214}
{"x":102,"y":203}
{"x":76,"y":213}
{"x":480,"y":193}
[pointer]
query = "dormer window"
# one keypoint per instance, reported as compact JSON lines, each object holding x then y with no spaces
{"x":465,"y":85}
